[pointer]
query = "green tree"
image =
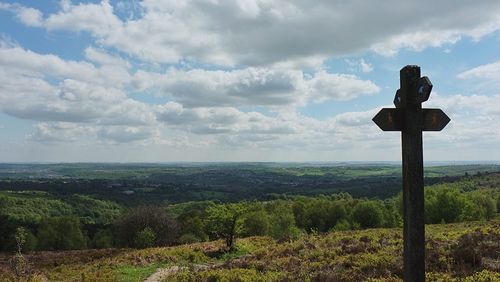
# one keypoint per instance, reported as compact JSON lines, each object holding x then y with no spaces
{"x":282,"y":221}
{"x":103,"y":239}
{"x":164,"y":226}
{"x":224,"y":221}
{"x":486,"y":203}
{"x":145,"y":238}
{"x":368,"y":214}
{"x":60,"y":233}
{"x":256,"y":223}
{"x":192,"y":227}
{"x":7,"y":230}
{"x":443,"y":204}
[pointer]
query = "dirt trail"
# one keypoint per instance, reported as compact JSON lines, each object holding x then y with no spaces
{"x":162,"y":273}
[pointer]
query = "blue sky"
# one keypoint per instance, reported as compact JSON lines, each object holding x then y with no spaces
{"x":246,"y":80}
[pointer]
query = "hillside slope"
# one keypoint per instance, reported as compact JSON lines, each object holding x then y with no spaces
{"x":468,"y":251}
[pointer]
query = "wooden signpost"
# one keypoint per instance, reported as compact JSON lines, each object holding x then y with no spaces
{"x":409,"y":118}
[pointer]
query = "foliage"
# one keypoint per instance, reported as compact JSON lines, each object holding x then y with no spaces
{"x":369,"y":214}
{"x":103,"y":239}
{"x":60,"y":233}
{"x":145,"y":238}
{"x":363,"y":255}
{"x":224,"y":221}
{"x":29,"y":207}
{"x":164,"y":227}
{"x":320,"y":213}
{"x":473,"y":248}
{"x":282,"y":222}
{"x":192,"y":226}
{"x":256,"y":223}
{"x":19,"y":264}
{"x":7,"y":230}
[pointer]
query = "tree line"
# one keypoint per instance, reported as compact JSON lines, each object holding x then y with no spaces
{"x":282,"y":219}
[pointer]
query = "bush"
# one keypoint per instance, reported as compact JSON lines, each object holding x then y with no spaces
{"x":472,"y":247}
{"x":189,"y":239}
{"x":282,"y":222}
{"x":256,"y":223}
{"x":145,"y":238}
{"x":60,"y":233}
{"x":162,"y":224}
{"x":443,"y":204}
{"x":7,"y":230}
{"x":103,"y":239}
{"x":368,"y":214}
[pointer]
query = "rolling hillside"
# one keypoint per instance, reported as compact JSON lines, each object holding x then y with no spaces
{"x":455,"y":252}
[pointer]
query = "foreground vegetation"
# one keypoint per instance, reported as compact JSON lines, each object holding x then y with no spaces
{"x":462,"y":252}
{"x":80,"y":222}
{"x":286,"y":237}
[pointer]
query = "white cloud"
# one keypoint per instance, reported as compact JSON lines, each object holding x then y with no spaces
{"x":483,"y":79}
{"x":256,"y":33}
{"x":23,"y":62}
{"x":97,"y":19}
{"x":324,"y":86}
{"x":365,"y":67}
{"x":104,"y":59}
{"x":229,"y":88}
{"x":253,"y":86}
{"x":222,"y":120}
{"x":62,"y":132}
{"x":126,"y":134}
{"x":30,"y":16}
{"x":47,"y":88}
{"x":484,"y":72}
{"x":416,"y":41}
{"x":175,"y":51}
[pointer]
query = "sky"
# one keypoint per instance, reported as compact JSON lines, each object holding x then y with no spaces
{"x":242,"y":80}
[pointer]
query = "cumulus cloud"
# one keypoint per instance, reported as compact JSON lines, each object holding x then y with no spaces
{"x":365,"y":66}
{"x":484,"y":72}
{"x":222,"y":120}
{"x":234,"y":73}
{"x":30,"y":16}
{"x":74,"y":99}
{"x":22,"y":62}
{"x":225,"y":88}
{"x":62,"y":132}
{"x":126,"y":134}
{"x":324,"y":86}
{"x":48,"y":88}
{"x":260,"y":32}
{"x":254,"y":86}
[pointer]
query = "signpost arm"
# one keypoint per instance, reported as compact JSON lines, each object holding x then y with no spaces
{"x":413,"y":175}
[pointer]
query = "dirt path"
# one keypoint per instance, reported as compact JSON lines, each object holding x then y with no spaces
{"x":162,"y":273}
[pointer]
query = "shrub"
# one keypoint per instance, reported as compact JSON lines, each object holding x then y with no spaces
{"x":472,"y":247}
{"x":145,"y":238}
{"x":256,"y":223}
{"x":103,"y":239}
{"x":163,"y":225}
{"x":60,"y":233}
{"x":368,"y":214}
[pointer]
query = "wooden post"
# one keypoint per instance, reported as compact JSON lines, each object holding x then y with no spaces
{"x":411,"y":120}
{"x":413,"y":177}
